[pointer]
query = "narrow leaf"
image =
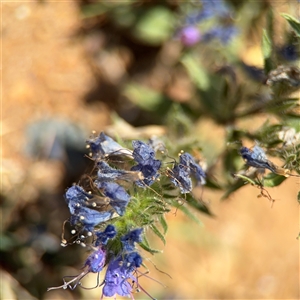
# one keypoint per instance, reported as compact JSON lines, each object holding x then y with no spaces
{"x":294,"y":23}
{"x":158,"y":233}
{"x":267,"y":51}
{"x":198,"y":205}
{"x":266,"y":45}
{"x":247,"y":179}
{"x":145,"y":241}
{"x":196,"y":72}
{"x":148,"y":249}
{"x":189,"y":214}
{"x":163,"y":223}
{"x":272,"y":180}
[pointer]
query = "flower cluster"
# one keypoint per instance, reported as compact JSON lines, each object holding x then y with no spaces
{"x":190,"y":34}
{"x":130,"y":190}
{"x":121,"y":187}
{"x":120,"y":267}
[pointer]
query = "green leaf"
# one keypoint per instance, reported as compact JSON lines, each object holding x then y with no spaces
{"x":298,"y":198}
{"x":212,"y":184}
{"x":196,"y":71}
{"x":284,"y":106}
{"x":143,"y":97}
{"x":266,"y":45}
{"x":188,"y":213}
{"x":146,"y":242}
{"x":149,"y":249}
{"x":246,"y":179}
{"x":293,"y":122}
{"x":163,"y":223}
{"x":155,"y":25}
{"x":272,"y":180}
{"x":294,"y":23}
{"x":267,"y":51}
{"x":158,"y":233}
{"x":198,"y":205}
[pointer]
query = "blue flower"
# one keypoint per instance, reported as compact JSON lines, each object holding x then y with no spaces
{"x":132,"y":237}
{"x":107,"y":173}
{"x":115,"y":281}
{"x":103,"y":236}
{"x":224,"y":30}
{"x":222,"y":33}
{"x":142,"y":152}
{"x":119,"y":198}
{"x":96,"y":260}
{"x":180,"y":174}
{"x":119,"y":271}
{"x":104,"y":145}
{"x":78,"y":203}
{"x":132,"y":260}
{"x":257,"y":158}
{"x":210,"y":9}
{"x":144,"y":155}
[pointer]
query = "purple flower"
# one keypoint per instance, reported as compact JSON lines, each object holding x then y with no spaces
{"x":189,"y":36}
{"x":78,"y":203}
{"x":119,"y":198}
{"x":144,"y":155}
{"x":104,"y":145}
{"x":132,"y":237}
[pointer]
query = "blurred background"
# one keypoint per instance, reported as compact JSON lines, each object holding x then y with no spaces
{"x":128,"y":68}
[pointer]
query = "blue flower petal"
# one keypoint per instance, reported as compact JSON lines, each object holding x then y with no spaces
{"x":96,"y":261}
{"x":119,"y":198}
{"x":103,"y":236}
{"x":132,"y":237}
{"x":104,"y":145}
